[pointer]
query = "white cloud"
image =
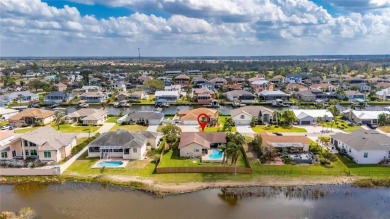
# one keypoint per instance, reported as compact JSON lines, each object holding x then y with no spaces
{"x":195,"y":27}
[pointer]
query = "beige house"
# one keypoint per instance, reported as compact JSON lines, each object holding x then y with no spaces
{"x":31,"y":116}
{"x":44,"y":143}
{"x":196,"y":144}
{"x":60,"y":87}
{"x":87,"y":116}
{"x":244,"y":115}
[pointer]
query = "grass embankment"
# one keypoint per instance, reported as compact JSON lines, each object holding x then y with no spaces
{"x":69,"y":128}
{"x":221,"y":121}
{"x":130,"y":128}
{"x":262,"y":128}
{"x":371,"y":183}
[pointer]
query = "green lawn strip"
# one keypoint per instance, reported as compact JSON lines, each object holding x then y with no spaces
{"x":131,"y":128}
{"x":112,"y":119}
{"x":68,"y":128}
{"x":172,"y":159}
{"x":5,"y":122}
{"x":262,"y":128}
{"x":364,"y":169}
{"x":222,"y":120}
{"x":150,"y":100}
{"x":340,"y":124}
{"x":24,"y":130}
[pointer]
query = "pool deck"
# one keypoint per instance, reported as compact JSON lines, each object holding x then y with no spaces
{"x":205,"y":158}
{"x":96,"y":165}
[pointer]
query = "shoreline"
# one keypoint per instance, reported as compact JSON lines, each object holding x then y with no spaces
{"x":161,"y":189}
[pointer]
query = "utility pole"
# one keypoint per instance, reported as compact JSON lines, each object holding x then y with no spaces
{"x":139,"y":55}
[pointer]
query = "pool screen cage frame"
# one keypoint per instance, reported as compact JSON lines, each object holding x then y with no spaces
{"x":107,"y":154}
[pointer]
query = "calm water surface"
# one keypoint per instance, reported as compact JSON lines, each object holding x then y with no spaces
{"x":84,"y":200}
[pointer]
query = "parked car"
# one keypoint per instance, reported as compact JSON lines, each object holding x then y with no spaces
{"x":277,"y":133}
{"x":372,"y":126}
{"x":7,"y":127}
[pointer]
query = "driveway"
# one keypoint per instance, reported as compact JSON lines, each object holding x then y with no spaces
{"x":245,"y":130}
{"x":189,"y":128}
{"x":311,"y":129}
{"x":152,"y":128}
{"x":106,"y":127}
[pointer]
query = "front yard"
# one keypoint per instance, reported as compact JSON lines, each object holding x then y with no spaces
{"x":262,"y":128}
{"x":69,"y":128}
{"x":130,"y":128}
{"x":222,"y":121}
{"x":340,"y":124}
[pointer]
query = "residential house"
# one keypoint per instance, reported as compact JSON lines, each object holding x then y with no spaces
{"x":60,"y":87}
{"x":144,"y":117}
{"x":169,"y":96}
{"x":260,"y":85}
{"x":190,"y":117}
{"x":237,"y":81}
{"x":196,"y":144}
{"x":241,"y":95}
{"x":6,"y":113}
{"x":291,"y":143}
{"x":198,"y":80}
{"x":244,"y":115}
{"x":324,"y":87}
{"x":297,"y":78}
{"x":172,"y":72}
{"x":218,"y":82}
{"x":138,"y":95}
{"x":167,"y":81}
{"x":230,"y":87}
{"x":87,"y":89}
{"x":182,"y":80}
{"x":352,"y":95}
{"x":382,"y":85}
{"x":363,"y":87}
{"x":352,"y":81}
{"x":119,"y":85}
{"x":207,"y":85}
{"x":313,"y":80}
{"x":175,"y":87}
{"x":364,"y":117}
{"x":293,"y":87}
{"x":87,"y":116}
{"x":376,"y":80}
{"x":44,"y":143}
{"x":278,"y":79}
{"x":383,"y":94}
{"x":268,"y":96}
{"x":31,"y":116}
{"x":203,"y":95}
{"x":310,"y":116}
{"x":6,"y":136}
{"x":93,"y":97}
{"x":57,"y":97}
{"x":312,"y":95}
{"x":194,"y":72}
{"x":123,"y":144}
{"x":364,"y":146}
{"x":20,"y":97}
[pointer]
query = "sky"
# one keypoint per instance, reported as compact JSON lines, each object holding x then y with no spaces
{"x":193,"y":27}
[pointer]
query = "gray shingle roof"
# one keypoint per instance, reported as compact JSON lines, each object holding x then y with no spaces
{"x":145,"y":115}
{"x":120,"y":138}
{"x":252,"y":110}
{"x":364,"y":140}
{"x":49,"y":138}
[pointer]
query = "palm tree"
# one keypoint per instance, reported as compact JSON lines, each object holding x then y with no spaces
{"x":20,"y":98}
{"x":334,"y":110}
{"x":383,"y":119}
{"x":276,"y":116}
{"x":58,"y":117}
{"x":234,"y":151}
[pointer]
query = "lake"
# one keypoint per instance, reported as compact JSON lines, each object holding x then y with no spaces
{"x":92,"y":200}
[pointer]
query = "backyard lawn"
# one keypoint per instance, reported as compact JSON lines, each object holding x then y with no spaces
{"x":130,"y":128}
{"x":68,"y":128}
{"x":364,"y":169}
{"x":262,"y":128}
{"x":222,"y":120}
{"x":172,"y":158}
{"x":150,"y":100}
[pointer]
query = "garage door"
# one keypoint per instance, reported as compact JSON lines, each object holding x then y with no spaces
{"x":366,"y":121}
{"x":305,"y":122}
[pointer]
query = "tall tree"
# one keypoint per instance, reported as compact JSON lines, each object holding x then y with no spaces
{"x":334,"y":110}
{"x":383,"y":119}
{"x":172,"y":133}
{"x":276,"y":116}
{"x":289,"y":117}
{"x":154,"y":84}
{"x":58,"y":118}
{"x":234,"y":151}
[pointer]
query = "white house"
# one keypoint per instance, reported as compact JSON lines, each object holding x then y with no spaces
{"x":170,"y":96}
{"x":309,"y":116}
{"x":6,"y":113}
{"x":242,"y":95}
{"x":364,"y":117}
{"x":145,"y":117}
{"x":20,"y":97}
{"x":364,"y":146}
{"x":383,"y":94}
{"x":244,"y":115}
{"x":87,"y":116}
{"x":123,"y":144}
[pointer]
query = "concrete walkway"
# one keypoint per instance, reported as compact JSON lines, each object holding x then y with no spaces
{"x":189,"y":128}
{"x":152,"y":128}
{"x":245,"y":130}
{"x":106,"y":127}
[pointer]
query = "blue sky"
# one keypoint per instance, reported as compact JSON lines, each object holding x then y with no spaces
{"x":193,"y":27}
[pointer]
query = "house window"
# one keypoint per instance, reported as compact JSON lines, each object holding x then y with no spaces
{"x":134,"y":150}
{"x":242,"y":117}
{"x":365,"y":155}
{"x":4,"y":155}
{"x":25,"y":143}
{"x":94,"y":149}
{"x":47,"y":154}
{"x":27,"y":152}
{"x":32,"y":144}
{"x":33,"y":152}
{"x":196,"y":150}
{"x":127,"y":151}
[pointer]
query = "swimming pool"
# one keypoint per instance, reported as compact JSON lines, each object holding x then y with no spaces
{"x":216,"y":154}
{"x":110,"y":164}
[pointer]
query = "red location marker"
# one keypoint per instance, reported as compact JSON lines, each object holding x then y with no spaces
{"x":203,"y":123}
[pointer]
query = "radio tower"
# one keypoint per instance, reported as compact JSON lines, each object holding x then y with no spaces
{"x":139,"y":55}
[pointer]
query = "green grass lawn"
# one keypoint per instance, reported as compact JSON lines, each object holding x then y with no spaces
{"x":68,"y":128}
{"x":150,"y":100}
{"x":385,"y":129}
{"x":221,"y":120}
{"x":5,"y":122}
{"x":341,"y":124}
{"x":172,"y":158}
{"x":364,"y":169}
{"x":131,"y":128}
{"x":262,"y":128}
{"x":24,"y":130}
{"x":112,"y":119}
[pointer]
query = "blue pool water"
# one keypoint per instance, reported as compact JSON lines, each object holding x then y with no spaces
{"x":216,"y":154}
{"x":110,"y":163}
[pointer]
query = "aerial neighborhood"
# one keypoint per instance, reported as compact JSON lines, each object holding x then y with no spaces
{"x":169,"y":121}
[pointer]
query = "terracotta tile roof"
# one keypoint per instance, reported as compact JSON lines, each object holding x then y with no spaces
{"x":251,"y":110}
{"x":194,"y":113}
{"x":182,"y":76}
{"x":202,"y":138}
{"x":32,"y":113}
{"x":6,"y":134}
{"x":293,"y":86}
{"x":270,"y":139}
